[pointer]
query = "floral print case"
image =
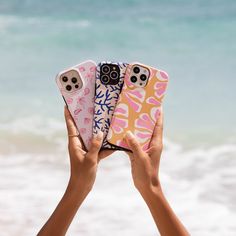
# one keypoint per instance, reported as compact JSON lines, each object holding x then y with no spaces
{"x":138,"y":107}
{"x":107,"y":90}
{"x":77,"y":85}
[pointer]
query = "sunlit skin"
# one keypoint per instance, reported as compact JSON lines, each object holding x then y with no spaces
{"x":145,"y":173}
{"x":144,"y":168}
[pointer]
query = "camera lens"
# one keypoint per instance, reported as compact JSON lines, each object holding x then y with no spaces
{"x":76,"y":86}
{"x":105,"y":69}
{"x":114,"y":75}
{"x":74,"y":80}
{"x":133,"y":79}
{"x":143,"y":77}
{"x":68,"y":87}
{"x":136,"y":70}
{"x":105,"y":79}
{"x":64,"y":79}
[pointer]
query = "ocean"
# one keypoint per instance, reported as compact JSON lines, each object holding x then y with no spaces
{"x":194,"y":41}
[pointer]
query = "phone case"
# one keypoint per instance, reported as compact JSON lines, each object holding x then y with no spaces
{"x":138,"y":108}
{"x":80,"y":102}
{"x":106,"y":96}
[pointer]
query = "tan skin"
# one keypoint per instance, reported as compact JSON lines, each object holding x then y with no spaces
{"x":145,"y":173}
{"x":144,"y":168}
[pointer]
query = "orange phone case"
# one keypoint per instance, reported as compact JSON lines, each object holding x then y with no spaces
{"x":138,"y":107}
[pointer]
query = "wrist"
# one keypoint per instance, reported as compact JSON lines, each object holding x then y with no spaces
{"x":153,"y":189}
{"x":77,"y":189}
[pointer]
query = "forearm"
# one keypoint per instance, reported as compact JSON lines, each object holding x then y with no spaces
{"x":166,"y":220}
{"x":64,"y":213}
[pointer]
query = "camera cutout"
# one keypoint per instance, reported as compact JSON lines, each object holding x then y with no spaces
{"x":110,"y":74}
{"x":139,"y":75}
{"x":105,"y":69}
{"x":136,"y":70}
{"x":64,"y":79}
{"x":71,"y":81}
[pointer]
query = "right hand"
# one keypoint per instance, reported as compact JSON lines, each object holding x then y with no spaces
{"x":145,"y":165}
{"x":83,"y":163}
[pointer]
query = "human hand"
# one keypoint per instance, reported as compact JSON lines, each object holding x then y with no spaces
{"x":83,"y":163}
{"x":145,"y":165}
{"x":83,"y":173}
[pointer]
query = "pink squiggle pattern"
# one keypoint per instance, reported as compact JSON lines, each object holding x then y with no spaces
{"x":122,"y":143}
{"x":77,"y":111}
{"x":144,"y":127}
{"x":134,"y":105}
{"x":160,"y":88}
{"x":122,"y":109}
{"x":89,"y":76}
{"x":92,"y":69}
{"x":154,"y":101}
{"x":143,"y":135}
{"x":82,"y":69}
{"x":91,"y":110}
{"x":135,"y":98}
{"x":121,"y":122}
{"x":69,"y":100}
{"x":155,"y":113}
{"x":162,"y":75}
{"x":119,"y":125}
{"x":87,"y":120}
{"x":86,"y":91}
{"x":144,"y":121}
{"x":137,"y":93}
{"x":82,"y":131}
{"x":81,"y":101}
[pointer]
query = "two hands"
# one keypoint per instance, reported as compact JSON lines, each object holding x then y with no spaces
{"x":144,"y":168}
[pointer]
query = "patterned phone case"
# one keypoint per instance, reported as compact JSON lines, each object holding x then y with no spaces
{"x":81,"y":102}
{"x":106,"y":97}
{"x":138,"y":108}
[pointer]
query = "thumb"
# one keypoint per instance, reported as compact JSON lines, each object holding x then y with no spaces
{"x":95,"y":145}
{"x":72,"y":131}
{"x":133,"y":144}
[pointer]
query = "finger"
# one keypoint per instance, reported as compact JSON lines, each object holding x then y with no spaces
{"x":105,"y":153}
{"x":130,"y":155}
{"x":71,"y":129}
{"x":96,"y":143}
{"x":133,"y":144}
{"x":158,"y":131}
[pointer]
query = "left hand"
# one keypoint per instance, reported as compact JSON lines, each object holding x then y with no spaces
{"x":83,"y":163}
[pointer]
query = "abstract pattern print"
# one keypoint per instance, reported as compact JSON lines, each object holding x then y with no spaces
{"x":81,"y":102}
{"x":138,"y":109}
{"x":106,"y":97}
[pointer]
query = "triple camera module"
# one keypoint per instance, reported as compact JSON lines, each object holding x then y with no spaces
{"x":139,"y":75}
{"x":71,"y":81}
{"x":110,"y":74}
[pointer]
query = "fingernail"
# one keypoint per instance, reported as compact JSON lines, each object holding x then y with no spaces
{"x":129,"y":135}
{"x":98,"y":135}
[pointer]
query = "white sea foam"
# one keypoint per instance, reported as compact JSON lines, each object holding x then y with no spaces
{"x":36,"y":124}
{"x":199,"y":184}
{"x":9,"y":21}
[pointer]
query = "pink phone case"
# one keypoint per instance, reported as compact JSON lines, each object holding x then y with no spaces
{"x":138,"y":107}
{"x":80,"y":97}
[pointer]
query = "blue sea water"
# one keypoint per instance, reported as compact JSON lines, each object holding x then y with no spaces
{"x":194,"y":41}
